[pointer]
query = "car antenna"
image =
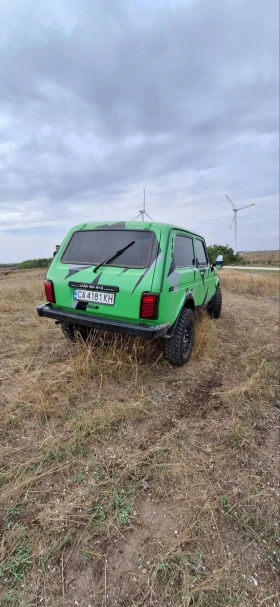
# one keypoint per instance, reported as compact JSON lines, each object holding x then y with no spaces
{"x":143,"y":212}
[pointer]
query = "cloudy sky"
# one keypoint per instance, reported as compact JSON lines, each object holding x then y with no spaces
{"x":101,"y":98}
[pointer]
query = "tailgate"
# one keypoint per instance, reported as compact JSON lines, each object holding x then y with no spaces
{"x":113,"y":291}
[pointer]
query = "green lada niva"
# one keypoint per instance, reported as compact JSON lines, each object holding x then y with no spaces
{"x":140,"y":278}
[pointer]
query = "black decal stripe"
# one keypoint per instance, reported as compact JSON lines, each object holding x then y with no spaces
{"x":205,"y":296}
{"x":96,"y":279}
{"x":119,"y":225}
{"x":75,"y":271}
{"x":176,"y":286}
{"x":172,"y":266}
{"x":156,"y":253}
{"x":140,"y":279}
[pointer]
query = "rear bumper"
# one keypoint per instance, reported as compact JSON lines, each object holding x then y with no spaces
{"x":79,"y":320}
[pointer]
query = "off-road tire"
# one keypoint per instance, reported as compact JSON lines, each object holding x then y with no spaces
{"x":74,"y":333}
{"x":215,"y":307}
{"x":177,"y":349}
{"x":68,"y":331}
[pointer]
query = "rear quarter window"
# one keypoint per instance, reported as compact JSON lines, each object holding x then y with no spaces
{"x":91,"y":247}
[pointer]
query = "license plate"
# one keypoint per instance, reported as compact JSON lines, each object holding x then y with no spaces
{"x":94,"y":297}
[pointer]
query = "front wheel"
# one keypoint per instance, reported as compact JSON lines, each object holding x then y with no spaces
{"x":179,"y":347}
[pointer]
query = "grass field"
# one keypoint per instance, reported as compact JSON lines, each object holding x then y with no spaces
{"x":126,"y":482}
{"x":262,"y":258}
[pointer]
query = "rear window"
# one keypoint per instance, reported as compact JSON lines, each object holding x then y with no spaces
{"x":91,"y":247}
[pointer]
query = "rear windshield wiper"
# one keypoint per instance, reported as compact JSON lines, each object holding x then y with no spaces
{"x":112,"y":257}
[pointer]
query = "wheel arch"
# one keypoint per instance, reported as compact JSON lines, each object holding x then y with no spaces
{"x":189,"y":304}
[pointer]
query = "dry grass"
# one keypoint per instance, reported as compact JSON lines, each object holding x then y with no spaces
{"x":262,"y":258}
{"x":127,"y":482}
{"x":257,"y":285}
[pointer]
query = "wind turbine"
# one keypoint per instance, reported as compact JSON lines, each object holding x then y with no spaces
{"x":143,"y":212}
{"x":234,"y":220}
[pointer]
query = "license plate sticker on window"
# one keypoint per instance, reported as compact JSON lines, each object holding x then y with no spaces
{"x":94,"y":297}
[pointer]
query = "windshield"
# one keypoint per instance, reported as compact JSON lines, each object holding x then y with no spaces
{"x":91,"y":247}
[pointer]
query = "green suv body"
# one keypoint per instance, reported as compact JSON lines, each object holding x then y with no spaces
{"x":141,"y":278}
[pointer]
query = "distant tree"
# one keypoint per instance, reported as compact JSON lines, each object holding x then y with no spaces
{"x":8,"y":265}
{"x":29,"y":264}
{"x":228,"y":253}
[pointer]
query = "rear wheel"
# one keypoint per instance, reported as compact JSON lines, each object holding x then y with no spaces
{"x":179,"y":347}
{"x":215,"y":307}
{"x":68,"y":331}
{"x":74,"y":333}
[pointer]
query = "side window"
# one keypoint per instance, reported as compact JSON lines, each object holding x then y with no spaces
{"x":184,"y":255}
{"x":201,"y":254}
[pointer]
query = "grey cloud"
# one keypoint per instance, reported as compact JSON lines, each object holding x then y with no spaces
{"x":98,"y":97}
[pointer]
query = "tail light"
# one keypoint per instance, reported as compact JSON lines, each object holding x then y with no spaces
{"x":49,"y":291}
{"x":149,"y":306}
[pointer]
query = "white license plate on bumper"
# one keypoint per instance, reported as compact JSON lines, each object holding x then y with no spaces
{"x":94,"y":297}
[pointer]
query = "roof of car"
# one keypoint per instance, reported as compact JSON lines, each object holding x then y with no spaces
{"x":133,"y":225}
